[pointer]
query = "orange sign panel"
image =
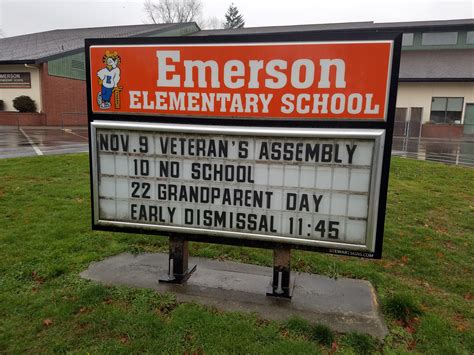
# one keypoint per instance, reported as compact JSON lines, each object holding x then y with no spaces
{"x":308,"y":80}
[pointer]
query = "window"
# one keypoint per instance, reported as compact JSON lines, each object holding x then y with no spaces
{"x":446,"y":109}
{"x":470,"y":37}
{"x":407,"y":39}
{"x":439,"y":38}
{"x":77,"y":65}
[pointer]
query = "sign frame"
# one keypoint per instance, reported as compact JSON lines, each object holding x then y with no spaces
{"x":24,"y":83}
{"x":378,"y":136}
{"x":264,"y":46}
{"x":340,"y":36}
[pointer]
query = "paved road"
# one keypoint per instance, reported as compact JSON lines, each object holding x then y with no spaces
{"x":31,"y":141}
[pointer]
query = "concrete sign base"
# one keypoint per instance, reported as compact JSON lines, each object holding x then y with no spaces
{"x":345,"y":305}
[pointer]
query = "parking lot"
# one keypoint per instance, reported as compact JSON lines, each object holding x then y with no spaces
{"x":32,"y":141}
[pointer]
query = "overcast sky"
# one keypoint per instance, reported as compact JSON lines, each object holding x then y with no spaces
{"x":27,"y":16}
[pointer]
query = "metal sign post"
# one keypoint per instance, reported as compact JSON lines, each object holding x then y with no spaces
{"x":178,"y":271}
{"x":281,"y":285}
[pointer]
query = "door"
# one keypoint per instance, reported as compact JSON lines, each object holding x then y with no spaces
{"x":466,"y":152}
{"x":399,"y":129}
{"x":469,"y":120}
{"x":414,"y":130}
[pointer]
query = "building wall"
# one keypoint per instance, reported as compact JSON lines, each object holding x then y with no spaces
{"x":64,"y":86}
{"x":64,"y":100}
{"x":8,"y":94}
{"x":420,"y":95}
{"x":22,"y":119}
{"x":72,"y":66}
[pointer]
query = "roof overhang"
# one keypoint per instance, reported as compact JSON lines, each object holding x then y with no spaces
{"x":59,"y":55}
{"x":435,"y":80}
{"x":19,"y":61}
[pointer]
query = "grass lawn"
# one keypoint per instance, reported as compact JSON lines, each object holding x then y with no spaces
{"x":425,"y":280}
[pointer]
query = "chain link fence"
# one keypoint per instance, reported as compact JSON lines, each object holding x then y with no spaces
{"x":455,"y":147}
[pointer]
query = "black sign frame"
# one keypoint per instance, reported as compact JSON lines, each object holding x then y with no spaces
{"x":386,"y":125}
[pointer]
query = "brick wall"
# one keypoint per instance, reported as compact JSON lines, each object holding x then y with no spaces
{"x":22,"y":119}
{"x":64,"y":100}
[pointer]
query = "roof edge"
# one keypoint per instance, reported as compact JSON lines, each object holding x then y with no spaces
{"x":432,"y":80}
{"x":19,"y":61}
{"x":168,"y":28}
{"x":78,"y":50}
{"x":429,"y":26}
{"x":40,"y":60}
{"x":167,"y":25}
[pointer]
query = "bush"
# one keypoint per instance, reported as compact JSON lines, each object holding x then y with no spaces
{"x":2,"y":105}
{"x":24,"y":104}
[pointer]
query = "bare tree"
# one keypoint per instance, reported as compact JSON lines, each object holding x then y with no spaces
{"x":211,"y":23}
{"x":173,"y":11}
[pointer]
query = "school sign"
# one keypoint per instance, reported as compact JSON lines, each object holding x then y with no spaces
{"x":251,"y":140}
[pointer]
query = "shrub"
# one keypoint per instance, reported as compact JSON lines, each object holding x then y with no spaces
{"x":24,"y":104}
{"x":2,"y":105}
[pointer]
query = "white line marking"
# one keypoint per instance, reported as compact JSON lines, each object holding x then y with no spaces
{"x":33,"y":145}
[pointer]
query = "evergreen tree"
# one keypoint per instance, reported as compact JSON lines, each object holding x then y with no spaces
{"x":233,"y":19}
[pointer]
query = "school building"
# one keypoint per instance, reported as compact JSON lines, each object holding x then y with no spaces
{"x":436,"y":85}
{"x":49,"y":67}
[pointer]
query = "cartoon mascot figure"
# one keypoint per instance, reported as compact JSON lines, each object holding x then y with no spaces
{"x":109,"y":77}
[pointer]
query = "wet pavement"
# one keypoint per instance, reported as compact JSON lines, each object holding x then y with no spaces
{"x":34,"y":141}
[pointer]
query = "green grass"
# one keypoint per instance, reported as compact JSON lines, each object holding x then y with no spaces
{"x":425,"y":280}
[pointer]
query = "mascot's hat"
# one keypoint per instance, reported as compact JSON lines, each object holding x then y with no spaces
{"x":111,"y":54}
